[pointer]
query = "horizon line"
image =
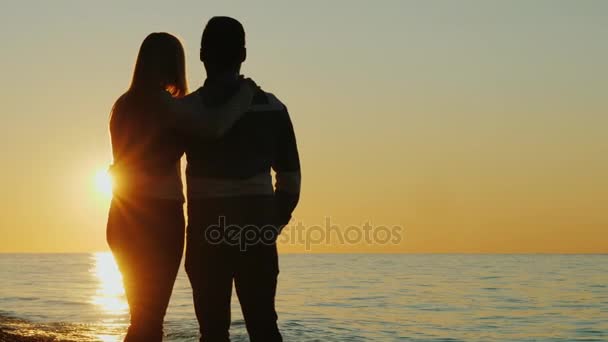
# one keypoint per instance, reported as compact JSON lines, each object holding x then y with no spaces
{"x":364,"y":253}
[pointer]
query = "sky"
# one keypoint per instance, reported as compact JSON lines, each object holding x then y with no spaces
{"x":472,"y":126}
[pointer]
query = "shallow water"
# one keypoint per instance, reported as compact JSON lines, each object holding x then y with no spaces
{"x":334,"y":298}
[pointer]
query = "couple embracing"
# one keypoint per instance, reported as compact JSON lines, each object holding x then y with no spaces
{"x":233,"y":134}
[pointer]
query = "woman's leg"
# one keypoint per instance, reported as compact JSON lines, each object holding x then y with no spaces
{"x":147,"y":241}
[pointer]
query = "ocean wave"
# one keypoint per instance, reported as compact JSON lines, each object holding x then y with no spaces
{"x":15,"y":329}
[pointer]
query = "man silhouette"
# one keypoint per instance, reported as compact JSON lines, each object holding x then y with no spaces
{"x":234,"y":213}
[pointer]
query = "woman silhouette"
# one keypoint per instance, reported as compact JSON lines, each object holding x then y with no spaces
{"x":148,"y":127}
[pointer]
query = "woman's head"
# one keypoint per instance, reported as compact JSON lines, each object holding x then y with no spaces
{"x":161,"y":64}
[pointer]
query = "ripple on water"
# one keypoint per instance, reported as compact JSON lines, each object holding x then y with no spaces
{"x":337,"y":298}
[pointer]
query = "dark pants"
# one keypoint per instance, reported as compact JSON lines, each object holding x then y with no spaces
{"x":212,"y":267}
{"x":146,"y":237}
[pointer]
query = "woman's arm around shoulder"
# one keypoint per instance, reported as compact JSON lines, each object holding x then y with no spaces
{"x":190,"y":116}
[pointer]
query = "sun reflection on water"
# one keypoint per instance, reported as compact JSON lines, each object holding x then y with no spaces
{"x":110,"y":294}
{"x":108,"y":338}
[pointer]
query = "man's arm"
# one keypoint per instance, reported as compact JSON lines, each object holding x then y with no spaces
{"x":287,"y":167}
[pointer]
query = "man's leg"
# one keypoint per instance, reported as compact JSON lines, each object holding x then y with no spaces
{"x":256,"y":283}
{"x":210,"y":272}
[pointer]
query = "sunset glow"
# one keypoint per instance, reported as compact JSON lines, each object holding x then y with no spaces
{"x":477,"y":126}
{"x":103,"y":183}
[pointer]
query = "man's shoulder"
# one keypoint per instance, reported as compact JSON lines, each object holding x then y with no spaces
{"x":264,"y":101}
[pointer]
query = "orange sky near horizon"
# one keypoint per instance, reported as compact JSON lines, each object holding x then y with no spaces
{"x":475,"y":127}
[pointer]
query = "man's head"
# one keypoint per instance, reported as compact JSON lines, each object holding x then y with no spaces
{"x":223,"y":46}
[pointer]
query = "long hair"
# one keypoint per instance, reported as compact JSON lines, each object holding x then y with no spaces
{"x":161,"y":64}
{"x":136,"y":126}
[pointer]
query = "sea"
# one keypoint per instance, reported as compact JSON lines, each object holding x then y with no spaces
{"x":331,"y":297}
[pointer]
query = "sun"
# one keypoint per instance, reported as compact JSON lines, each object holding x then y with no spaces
{"x":103,"y":183}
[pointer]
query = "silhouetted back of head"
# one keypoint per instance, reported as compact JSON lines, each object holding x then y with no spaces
{"x":161,"y":64}
{"x":223,"y":45}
